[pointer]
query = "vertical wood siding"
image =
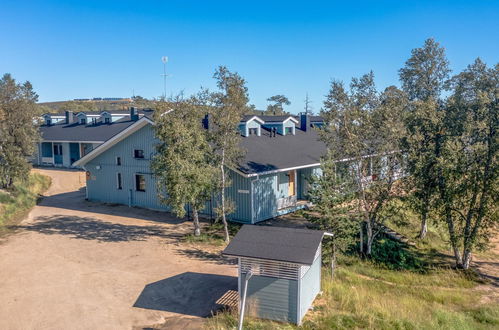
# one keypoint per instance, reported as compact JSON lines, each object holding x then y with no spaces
{"x":310,"y":286}
{"x":272,"y":298}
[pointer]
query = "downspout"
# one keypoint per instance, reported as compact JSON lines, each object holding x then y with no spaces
{"x":249,"y":274}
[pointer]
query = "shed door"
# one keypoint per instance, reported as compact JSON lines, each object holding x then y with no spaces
{"x":292,"y":183}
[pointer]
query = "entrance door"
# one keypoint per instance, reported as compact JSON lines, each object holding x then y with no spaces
{"x":58,"y":153}
{"x":74,"y":152}
{"x":292,"y":183}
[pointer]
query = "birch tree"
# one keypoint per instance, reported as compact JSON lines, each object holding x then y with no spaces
{"x":182,"y":164}
{"x":468,"y":166}
{"x":363,"y":129}
{"x":18,"y":129}
{"x":423,"y":79}
{"x":230,"y":104}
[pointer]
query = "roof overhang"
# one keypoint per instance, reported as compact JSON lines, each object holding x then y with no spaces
{"x":293,"y":119}
{"x":254,"y":118}
{"x":142,"y":122}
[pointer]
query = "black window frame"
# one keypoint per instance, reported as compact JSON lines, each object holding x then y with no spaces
{"x":138,"y":182}
{"x":138,"y":153}
{"x":118,"y":160}
{"x":119,"y":181}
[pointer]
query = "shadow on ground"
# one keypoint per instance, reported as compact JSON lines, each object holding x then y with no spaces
{"x":92,"y":229}
{"x":189,"y":293}
{"x":212,"y":257}
{"x":492,"y":275}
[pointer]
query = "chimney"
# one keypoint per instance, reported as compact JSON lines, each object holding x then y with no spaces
{"x":69,"y":117}
{"x":134,"y":114}
{"x":304,"y":121}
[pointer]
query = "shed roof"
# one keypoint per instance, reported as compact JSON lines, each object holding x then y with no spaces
{"x":276,"y":243}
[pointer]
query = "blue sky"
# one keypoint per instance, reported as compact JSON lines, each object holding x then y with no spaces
{"x":79,"y":49}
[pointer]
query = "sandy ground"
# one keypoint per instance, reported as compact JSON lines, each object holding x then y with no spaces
{"x":74,"y":264}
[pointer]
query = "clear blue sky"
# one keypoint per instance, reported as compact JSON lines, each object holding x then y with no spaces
{"x":79,"y":49}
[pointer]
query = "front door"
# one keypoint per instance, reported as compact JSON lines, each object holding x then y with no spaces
{"x":57,"y":153}
{"x":292,"y":183}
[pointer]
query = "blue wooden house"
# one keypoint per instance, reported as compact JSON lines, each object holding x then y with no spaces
{"x":282,"y":153}
{"x":68,"y":136}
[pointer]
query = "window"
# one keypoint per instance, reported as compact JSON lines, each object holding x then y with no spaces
{"x":138,"y":153}
{"x":118,"y":161}
{"x":289,"y":130}
{"x":83,"y":120}
{"x":253,"y":131}
{"x":140,"y":182}
{"x":107,"y":120}
{"x":48,"y":122}
{"x":119,"y":183}
{"x":58,"y":149}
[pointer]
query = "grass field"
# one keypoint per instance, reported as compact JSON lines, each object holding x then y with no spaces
{"x":16,"y":202}
{"x":401,"y":288}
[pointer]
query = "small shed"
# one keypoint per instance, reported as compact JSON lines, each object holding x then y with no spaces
{"x":284,"y":267}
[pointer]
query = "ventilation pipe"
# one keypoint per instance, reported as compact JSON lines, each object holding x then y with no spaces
{"x":69,"y":117}
{"x":249,"y":274}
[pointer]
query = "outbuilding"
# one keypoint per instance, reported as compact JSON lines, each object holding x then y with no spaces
{"x":279,"y":271}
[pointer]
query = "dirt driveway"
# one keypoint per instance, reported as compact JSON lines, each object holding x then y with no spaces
{"x":80,"y":265}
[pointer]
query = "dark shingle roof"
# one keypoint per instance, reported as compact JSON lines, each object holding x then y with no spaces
{"x":274,"y":119}
{"x":275,"y":243}
{"x":265,"y":153}
{"x":99,"y":132}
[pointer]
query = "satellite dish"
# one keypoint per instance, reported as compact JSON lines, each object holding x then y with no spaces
{"x":164,"y":59}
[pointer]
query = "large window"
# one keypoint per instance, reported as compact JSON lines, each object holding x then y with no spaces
{"x":138,"y":153}
{"x":140,"y":182}
{"x":119,"y":182}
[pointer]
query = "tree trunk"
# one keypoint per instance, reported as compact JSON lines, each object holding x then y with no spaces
{"x":195,"y":219}
{"x":361,"y":239}
{"x":466,"y":259}
{"x":370,"y":238}
{"x":333,"y":261}
{"x":424,"y":220}
{"x":224,"y":219}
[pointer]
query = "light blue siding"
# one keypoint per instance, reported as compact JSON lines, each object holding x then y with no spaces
{"x":272,"y":298}
{"x":291,"y":124}
{"x":278,"y":126}
{"x":244,"y":128}
{"x":310,"y":286}
{"x":265,"y":194}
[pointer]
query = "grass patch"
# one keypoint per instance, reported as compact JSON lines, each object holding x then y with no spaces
{"x":213,"y":234}
{"x":18,"y":200}
{"x":366,"y":296}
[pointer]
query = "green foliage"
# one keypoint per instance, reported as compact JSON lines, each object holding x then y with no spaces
{"x":18,"y":131}
{"x":21,"y":197}
{"x":362,"y":132}
{"x":393,"y":255}
{"x":276,"y":108}
{"x":182,"y":165}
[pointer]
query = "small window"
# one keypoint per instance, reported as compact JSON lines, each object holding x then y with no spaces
{"x":138,"y":153}
{"x":140,"y":182}
{"x":107,"y":120}
{"x":83,"y":120}
{"x":289,"y":130}
{"x":48,"y":122}
{"x":119,"y":183}
{"x":253,"y":131}
{"x":118,"y":161}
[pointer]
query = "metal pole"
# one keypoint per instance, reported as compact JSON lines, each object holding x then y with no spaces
{"x":243,"y":302}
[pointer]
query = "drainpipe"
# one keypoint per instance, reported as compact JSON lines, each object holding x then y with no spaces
{"x":249,"y":274}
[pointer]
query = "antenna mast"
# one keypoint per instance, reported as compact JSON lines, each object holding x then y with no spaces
{"x":164,"y":59}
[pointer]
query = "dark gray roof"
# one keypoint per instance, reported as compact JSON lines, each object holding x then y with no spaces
{"x":265,"y":153}
{"x":274,"y":119}
{"x":275,"y":243}
{"x":78,"y":132}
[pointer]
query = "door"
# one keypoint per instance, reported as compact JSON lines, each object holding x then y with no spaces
{"x":292,"y":183}
{"x":74,"y":152}
{"x":58,"y":153}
